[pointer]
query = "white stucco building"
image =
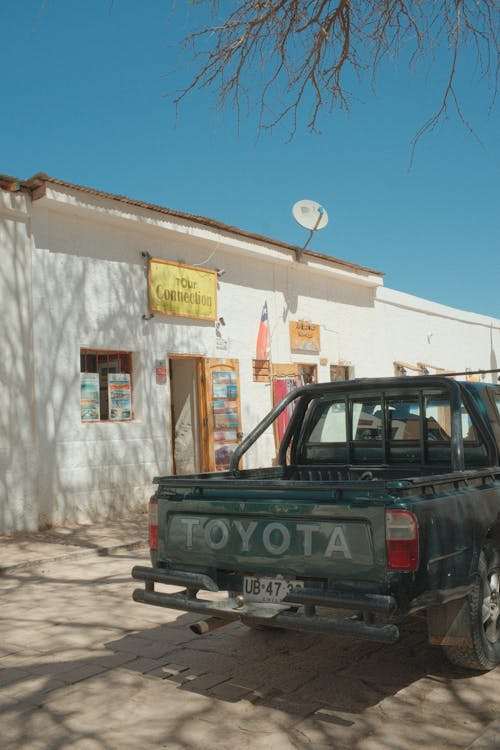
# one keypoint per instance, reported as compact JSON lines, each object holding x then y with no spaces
{"x":98,"y":395}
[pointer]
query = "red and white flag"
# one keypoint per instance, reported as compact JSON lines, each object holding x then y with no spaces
{"x":263,"y":343}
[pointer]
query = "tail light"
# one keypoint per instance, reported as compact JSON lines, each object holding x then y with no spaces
{"x":401,"y":533}
{"x":153,"y":524}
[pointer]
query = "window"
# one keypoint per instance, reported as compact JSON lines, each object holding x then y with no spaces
{"x":403,"y":417}
{"x":330,"y":427}
{"x":367,"y":420}
{"x":327,"y":433}
{"x":404,"y":429}
{"x":106,"y":385}
{"x":497,"y":400}
{"x":339,"y":372}
{"x":398,"y":429}
{"x":307,"y":374}
{"x":438,"y":419}
{"x":367,"y":430}
{"x":469,"y":432}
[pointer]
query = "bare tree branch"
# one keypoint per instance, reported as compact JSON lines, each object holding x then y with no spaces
{"x":289,"y":56}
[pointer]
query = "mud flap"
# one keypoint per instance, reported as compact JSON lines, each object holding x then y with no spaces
{"x":449,"y":624}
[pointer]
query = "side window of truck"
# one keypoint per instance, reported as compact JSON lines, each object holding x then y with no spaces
{"x":497,"y":401}
{"x":468,"y":430}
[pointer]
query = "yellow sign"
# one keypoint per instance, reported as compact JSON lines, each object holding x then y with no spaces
{"x":304,"y":337}
{"x":175,"y":289}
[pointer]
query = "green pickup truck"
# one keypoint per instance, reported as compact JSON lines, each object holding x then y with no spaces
{"x":384,"y":502}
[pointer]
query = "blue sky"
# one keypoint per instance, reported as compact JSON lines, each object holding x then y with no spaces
{"x":86,"y":98}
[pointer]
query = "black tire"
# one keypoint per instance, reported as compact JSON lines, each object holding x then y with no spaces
{"x":483,"y":653}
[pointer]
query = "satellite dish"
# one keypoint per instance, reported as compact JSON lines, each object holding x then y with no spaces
{"x":311,"y":216}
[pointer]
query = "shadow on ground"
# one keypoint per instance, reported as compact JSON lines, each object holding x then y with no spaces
{"x":83,"y":666}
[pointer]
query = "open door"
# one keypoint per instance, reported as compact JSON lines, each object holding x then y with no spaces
{"x":188,"y":415}
{"x":223,"y":412}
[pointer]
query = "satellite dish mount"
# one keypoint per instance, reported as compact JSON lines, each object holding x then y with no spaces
{"x":311,"y":216}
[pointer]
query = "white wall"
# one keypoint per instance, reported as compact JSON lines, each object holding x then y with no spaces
{"x":18,"y":463}
{"x":415,"y":330}
{"x":74,"y":277}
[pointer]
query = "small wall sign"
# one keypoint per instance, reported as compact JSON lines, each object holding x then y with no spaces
{"x":161,"y":375}
{"x":304,"y":337}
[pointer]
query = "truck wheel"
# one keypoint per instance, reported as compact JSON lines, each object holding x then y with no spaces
{"x":484,"y":613}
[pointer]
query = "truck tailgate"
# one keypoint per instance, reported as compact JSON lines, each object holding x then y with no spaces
{"x":301,"y":538}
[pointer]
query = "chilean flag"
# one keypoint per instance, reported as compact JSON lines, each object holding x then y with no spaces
{"x":263,"y":348}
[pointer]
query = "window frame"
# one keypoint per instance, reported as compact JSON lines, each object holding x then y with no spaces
{"x":124,"y":366}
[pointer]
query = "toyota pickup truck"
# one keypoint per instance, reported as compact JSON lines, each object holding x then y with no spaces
{"x":384,"y":502}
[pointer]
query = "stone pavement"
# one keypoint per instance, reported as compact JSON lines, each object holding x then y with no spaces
{"x":123,"y":670}
{"x":23,"y":550}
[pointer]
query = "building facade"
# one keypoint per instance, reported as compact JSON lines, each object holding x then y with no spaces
{"x":129,"y":336}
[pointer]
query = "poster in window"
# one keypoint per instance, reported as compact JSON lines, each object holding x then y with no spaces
{"x":120,"y":395}
{"x":89,"y":396}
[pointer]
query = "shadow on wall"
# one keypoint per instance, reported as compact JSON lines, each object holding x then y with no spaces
{"x":18,"y":466}
{"x":87,"y":471}
{"x":52,"y":470}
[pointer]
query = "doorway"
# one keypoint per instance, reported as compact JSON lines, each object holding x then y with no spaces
{"x":205,"y":413}
{"x":187,"y":419}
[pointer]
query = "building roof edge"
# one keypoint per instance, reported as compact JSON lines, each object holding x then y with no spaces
{"x":41,"y":179}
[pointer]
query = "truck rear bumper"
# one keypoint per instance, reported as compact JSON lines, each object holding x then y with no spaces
{"x":282,"y":615}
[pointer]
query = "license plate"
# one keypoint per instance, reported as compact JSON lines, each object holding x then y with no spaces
{"x":268,"y":589}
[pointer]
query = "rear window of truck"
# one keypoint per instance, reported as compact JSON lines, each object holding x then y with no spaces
{"x":394,"y":429}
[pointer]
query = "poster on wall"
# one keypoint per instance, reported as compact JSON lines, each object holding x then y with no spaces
{"x":120,"y":395}
{"x":89,"y":396}
{"x":224,"y":385}
{"x":225,"y":417}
